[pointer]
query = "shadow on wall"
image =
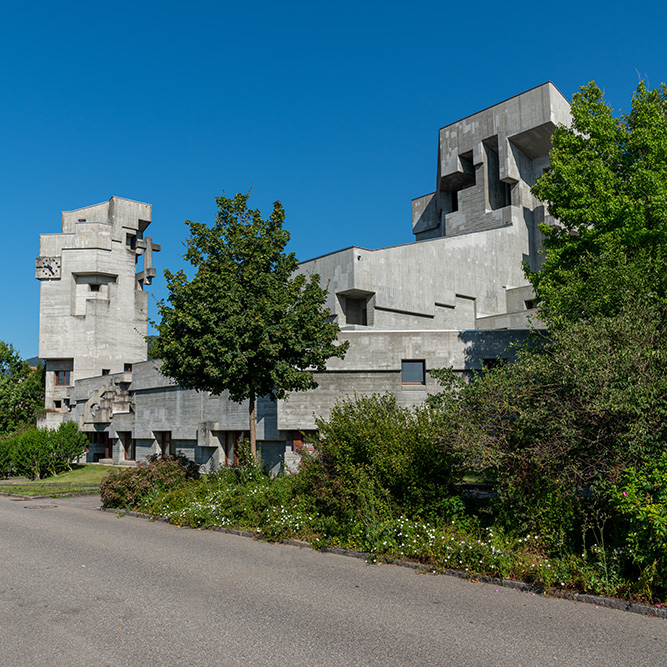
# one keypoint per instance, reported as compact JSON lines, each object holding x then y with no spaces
{"x":490,"y":348}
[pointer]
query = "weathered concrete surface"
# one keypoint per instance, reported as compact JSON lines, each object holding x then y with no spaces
{"x":80,"y":587}
{"x":93,"y":311}
{"x":454,"y":298}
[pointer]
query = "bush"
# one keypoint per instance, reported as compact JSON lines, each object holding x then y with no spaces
{"x":39,"y":452}
{"x":375,"y":459}
{"x":31,"y":454}
{"x":641,"y":501}
{"x":136,"y":487}
{"x":568,"y":417}
{"x":68,"y":443}
{"x":6,"y":455}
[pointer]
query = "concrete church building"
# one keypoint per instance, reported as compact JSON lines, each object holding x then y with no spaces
{"x":456,"y":296}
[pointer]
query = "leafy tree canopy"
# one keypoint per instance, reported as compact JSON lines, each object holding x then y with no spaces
{"x":607,"y":187}
{"x":245,"y":323}
{"x":21,"y":390}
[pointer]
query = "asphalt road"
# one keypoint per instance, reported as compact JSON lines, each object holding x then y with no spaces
{"x":81,"y":587}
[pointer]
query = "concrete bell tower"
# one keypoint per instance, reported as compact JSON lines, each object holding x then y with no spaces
{"x":93,"y":315}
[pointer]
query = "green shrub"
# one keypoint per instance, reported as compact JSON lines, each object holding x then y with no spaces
{"x":566,"y":418}
{"x":67,"y":443}
{"x":641,"y":500}
{"x":6,"y":456}
{"x":31,"y":454}
{"x":40,"y":452}
{"x":138,"y":487}
{"x":375,"y":459}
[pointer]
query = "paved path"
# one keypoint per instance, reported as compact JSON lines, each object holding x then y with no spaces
{"x":80,"y":587}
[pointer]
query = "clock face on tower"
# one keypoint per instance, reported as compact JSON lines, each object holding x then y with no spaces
{"x":47,"y":267}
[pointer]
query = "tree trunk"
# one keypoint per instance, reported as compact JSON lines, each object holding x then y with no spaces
{"x":253,"y":435}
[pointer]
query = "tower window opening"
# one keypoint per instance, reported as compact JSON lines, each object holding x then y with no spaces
{"x":62,"y":378}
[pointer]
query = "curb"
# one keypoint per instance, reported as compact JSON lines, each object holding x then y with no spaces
{"x":420,"y":568}
{"x":74,"y":494}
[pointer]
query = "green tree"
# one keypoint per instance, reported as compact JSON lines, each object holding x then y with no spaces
{"x":21,"y":390}
{"x":245,"y":322}
{"x":569,"y":415}
{"x":607,"y":187}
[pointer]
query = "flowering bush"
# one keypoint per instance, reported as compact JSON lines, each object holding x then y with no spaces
{"x":134,"y":488}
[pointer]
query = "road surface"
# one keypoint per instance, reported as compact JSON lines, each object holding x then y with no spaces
{"x":83,"y":587}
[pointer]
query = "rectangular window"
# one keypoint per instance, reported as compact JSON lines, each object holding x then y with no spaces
{"x":94,"y":287}
{"x":165,"y":443}
{"x":356,"y":311}
{"x":62,"y":378}
{"x":128,"y":443}
{"x":106,"y":371}
{"x":127,"y":368}
{"x":530,"y":304}
{"x":413,"y":372}
{"x":490,"y":364}
{"x":57,"y":404}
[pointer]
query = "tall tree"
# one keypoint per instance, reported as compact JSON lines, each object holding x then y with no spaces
{"x":607,"y":187}
{"x":21,"y":390}
{"x":244,"y":323}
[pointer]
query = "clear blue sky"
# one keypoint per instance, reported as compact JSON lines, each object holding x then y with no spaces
{"x":333,"y":108}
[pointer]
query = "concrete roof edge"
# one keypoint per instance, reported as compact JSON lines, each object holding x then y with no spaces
{"x":507,"y":99}
{"x":134,"y":201}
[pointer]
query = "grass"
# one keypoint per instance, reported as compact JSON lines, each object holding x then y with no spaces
{"x":81,"y":479}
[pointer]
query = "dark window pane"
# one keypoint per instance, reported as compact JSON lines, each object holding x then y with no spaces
{"x":412,"y":372}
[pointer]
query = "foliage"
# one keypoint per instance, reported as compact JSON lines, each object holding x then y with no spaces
{"x":21,"y":391}
{"x":190,"y":467}
{"x":68,"y":443}
{"x":245,"y":323}
{"x":607,"y":187}
{"x":278,"y":509}
{"x":641,"y":500}
{"x":38,"y":452}
{"x":134,"y":487}
{"x":6,"y":448}
{"x":566,"y":417}
{"x":375,"y":458}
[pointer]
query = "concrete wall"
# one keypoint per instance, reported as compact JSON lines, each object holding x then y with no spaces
{"x":488,"y":161}
{"x":373,"y":365}
{"x":93,"y":310}
{"x":455,"y":298}
{"x":443,"y":283}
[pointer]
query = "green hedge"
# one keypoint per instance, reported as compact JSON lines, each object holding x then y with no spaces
{"x":38,"y":452}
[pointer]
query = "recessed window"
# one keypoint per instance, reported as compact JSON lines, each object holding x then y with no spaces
{"x":413,"y":372}
{"x":530,"y":304}
{"x":165,"y":443}
{"x":131,"y":241}
{"x":127,"y":368}
{"x":106,"y":371}
{"x":356,"y":311}
{"x":57,"y":404}
{"x":490,"y":364}
{"x":62,"y":378}
{"x":94,"y":287}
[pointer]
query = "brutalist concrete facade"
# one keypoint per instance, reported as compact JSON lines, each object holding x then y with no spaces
{"x":93,"y":309}
{"x":457,"y":297}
